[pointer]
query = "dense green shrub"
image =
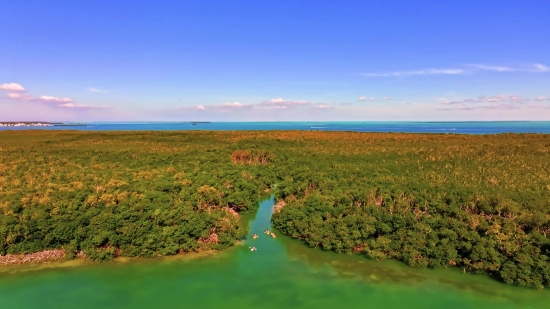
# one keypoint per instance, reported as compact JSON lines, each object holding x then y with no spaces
{"x":481,"y":203}
{"x":122,"y":193}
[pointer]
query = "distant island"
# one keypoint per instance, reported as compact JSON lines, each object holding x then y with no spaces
{"x":37,"y":124}
{"x":28,"y":124}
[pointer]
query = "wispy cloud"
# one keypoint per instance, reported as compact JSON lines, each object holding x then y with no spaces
{"x":541,"y":99}
{"x":12,"y":87}
{"x":363,"y":98}
{"x":81,"y":106}
{"x":273,"y":104}
{"x":387,"y":99}
{"x":44,"y":98}
{"x":491,"y":68}
{"x":50,"y":100}
{"x":19,"y":96}
{"x":461,"y":107}
{"x":491,"y":99}
{"x":418,"y":72}
{"x":499,"y":106}
{"x":91,"y":89}
{"x":323,"y":106}
{"x":491,"y":107}
{"x":502,"y":101}
{"x":235,"y":104}
{"x":282,"y":103}
{"x":458,"y":102}
{"x":224,"y":107}
{"x":534,"y":67}
{"x":464,"y":69}
{"x":540,"y":67}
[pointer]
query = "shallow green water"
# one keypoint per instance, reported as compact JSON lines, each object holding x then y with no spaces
{"x":282,"y":273}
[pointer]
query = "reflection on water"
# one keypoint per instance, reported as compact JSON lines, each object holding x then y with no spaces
{"x":281,"y":273}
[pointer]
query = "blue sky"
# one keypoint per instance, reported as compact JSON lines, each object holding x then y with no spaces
{"x":275,"y":60}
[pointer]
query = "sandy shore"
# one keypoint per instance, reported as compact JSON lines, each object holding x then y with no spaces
{"x":38,"y":261}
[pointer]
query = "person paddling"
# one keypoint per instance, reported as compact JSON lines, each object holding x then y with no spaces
{"x":273,"y":235}
{"x":254,"y":236}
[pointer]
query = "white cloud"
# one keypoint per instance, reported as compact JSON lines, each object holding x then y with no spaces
{"x":362,"y":98}
{"x":502,"y":101}
{"x":224,"y":107}
{"x":18,"y":96}
{"x":80,"y":106}
{"x":499,"y":106}
{"x":541,"y":99}
{"x":372,"y":99}
{"x":91,"y":89}
{"x":468,"y":68}
{"x":387,"y":99}
{"x":419,"y":72}
{"x":273,"y":104}
{"x":517,"y":99}
{"x":540,"y":67}
{"x":491,"y":68}
{"x":234,"y":104}
{"x":535,"y":67}
{"x":46,"y":98}
{"x":12,"y":87}
{"x":462,"y":107}
{"x":281,"y":102}
{"x":498,"y":98}
{"x":52,"y":101}
{"x":469,"y":107}
{"x":323,"y":106}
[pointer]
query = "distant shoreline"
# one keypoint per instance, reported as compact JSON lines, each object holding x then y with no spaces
{"x":28,"y":124}
{"x":38,"y":124}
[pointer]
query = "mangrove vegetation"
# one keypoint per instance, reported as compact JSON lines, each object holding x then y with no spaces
{"x":477,"y":202}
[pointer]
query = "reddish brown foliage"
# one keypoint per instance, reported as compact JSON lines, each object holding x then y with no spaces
{"x":251,"y":157}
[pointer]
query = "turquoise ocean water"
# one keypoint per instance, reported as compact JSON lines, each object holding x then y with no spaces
{"x":378,"y":126}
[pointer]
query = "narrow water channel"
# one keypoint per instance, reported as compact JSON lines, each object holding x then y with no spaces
{"x":282,"y":273}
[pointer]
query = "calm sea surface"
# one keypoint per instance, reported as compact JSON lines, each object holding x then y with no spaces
{"x":282,"y":273}
{"x":416,"y":127}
